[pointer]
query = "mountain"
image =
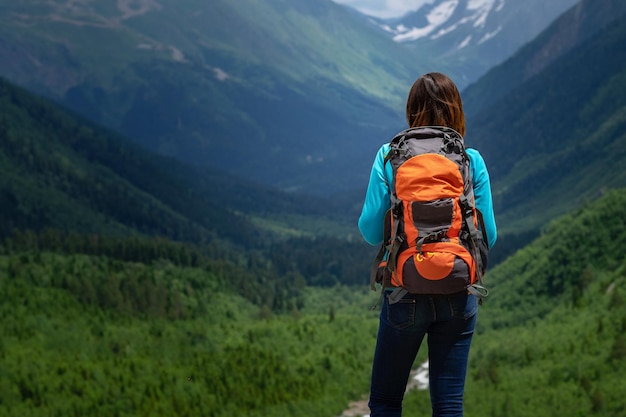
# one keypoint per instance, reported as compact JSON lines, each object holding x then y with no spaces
{"x":575,"y":26}
{"x":559,"y":138}
{"x":59,"y":171}
{"x":465,"y":38}
{"x":297,"y":95}
{"x":288,"y":93}
{"x":62,"y":171}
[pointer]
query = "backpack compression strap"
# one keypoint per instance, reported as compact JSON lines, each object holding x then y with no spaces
{"x":384,"y":247}
{"x":477,"y":289}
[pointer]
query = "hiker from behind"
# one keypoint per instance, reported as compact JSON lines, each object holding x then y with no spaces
{"x":429,"y":203}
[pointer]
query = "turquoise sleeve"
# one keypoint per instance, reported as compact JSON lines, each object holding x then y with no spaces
{"x":376,"y":199}
{"x":482,"y":194}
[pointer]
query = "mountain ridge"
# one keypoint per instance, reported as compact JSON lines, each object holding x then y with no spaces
{"x":571,"y":29}
{"x":469,"y":37}
{"x":62,"y":171}
{"x":185,"y":78}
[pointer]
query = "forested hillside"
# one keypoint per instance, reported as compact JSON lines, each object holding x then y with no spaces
{"x":70,"y":186}
{"x":59,"y":171}
{"x":62,"y":171}
{"x":87,"y":335}
{"x":105,"y":334}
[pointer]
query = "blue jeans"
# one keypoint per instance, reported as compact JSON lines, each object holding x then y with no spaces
{"x":449,"y":322}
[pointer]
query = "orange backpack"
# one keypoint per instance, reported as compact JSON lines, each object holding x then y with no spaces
{"x":434,"y":238}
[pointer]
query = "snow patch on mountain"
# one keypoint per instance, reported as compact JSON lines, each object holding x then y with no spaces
{"x":482,"y":8}
{"x":489,"y":35}
{"x":447,"y":16}
{"x":439,"y":15}
{"x":465,"y":42}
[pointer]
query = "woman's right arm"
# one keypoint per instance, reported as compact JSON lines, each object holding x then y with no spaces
{"x":376,"y":200}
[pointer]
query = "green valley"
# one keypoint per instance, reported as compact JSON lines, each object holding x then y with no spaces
{"x":99,"y":335}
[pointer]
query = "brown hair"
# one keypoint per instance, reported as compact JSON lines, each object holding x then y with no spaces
{"x":434,"y":100}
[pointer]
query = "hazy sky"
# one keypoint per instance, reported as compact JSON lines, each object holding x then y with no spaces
{"x":384,"y":8}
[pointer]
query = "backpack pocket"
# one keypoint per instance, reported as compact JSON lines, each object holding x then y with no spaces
{"x":439,"y":268}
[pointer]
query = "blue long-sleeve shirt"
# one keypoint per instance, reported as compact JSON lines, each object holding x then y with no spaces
{"x":377,"y":198}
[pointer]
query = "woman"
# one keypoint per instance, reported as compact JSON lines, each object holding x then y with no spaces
{"x":449,"y":320}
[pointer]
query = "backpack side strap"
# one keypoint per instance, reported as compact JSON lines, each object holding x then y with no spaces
{"x":384,"y":247}
{"x":475,"y":235}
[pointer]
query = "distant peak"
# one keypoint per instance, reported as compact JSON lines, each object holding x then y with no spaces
{"x":443,"y":17}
